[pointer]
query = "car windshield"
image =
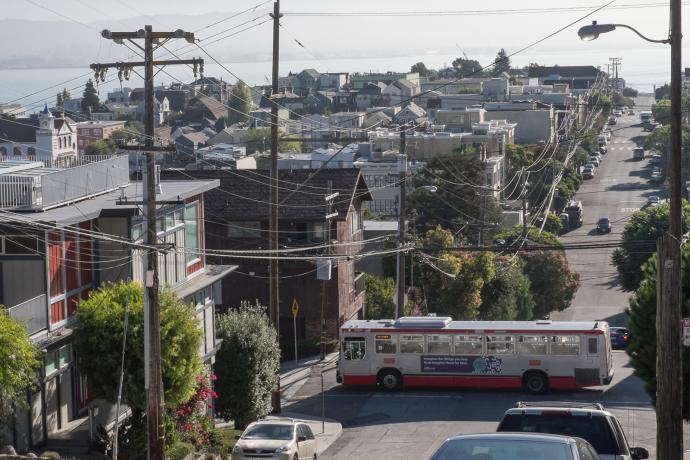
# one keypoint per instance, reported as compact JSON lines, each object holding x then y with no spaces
{"x":504,"y":449}
{"x":279,"y":432}
{"x":603,"y":221}
{"x":595,"y":430}
{"x":654,"y":199}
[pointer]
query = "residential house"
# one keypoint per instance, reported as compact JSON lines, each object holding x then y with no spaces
{"x":454,"y":85}
{"x":43,"y":137}
{"x":410,"y":114}
{"x":346,"y":120}
{"x":399,"y":92}
{"x":121,"y":96}
{"x":89,"y":132}
{"x":178,"y":96}
{"x":122,"y":111}
{"x":161,"y":110}
{"x":345,"y":101}
{"x":496,"y":89}
{"x":580,"y":78}
{"x":306,"y":81}
{"x":536,"y":122}
{"x":318,"y":102}
{"x":459,"y":121}
{"x":240,"y":221}
{"x":333,"y":81}
{"x":211,"y":86}
{"x":187,"y":145}
{"x":382,"y":175}
{"x":370,"y":95}
{"x":223,"y":156}
{"x":290,"y":101}
{"x":100,"y":113}
{"x":262,"y":118}
{"x":360,"y":80}
{"x":13,"y":110}
{"x":62,"y":243}
{"x":234,"y":134}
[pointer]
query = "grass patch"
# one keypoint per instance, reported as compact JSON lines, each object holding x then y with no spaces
{"x":227,"y":437}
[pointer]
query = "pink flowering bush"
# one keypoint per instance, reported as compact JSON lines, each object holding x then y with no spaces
{"x":192,"y":420}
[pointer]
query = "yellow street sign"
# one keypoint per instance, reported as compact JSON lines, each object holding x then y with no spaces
{"x":295,"y":307}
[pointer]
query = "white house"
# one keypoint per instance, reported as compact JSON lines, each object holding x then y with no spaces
{"x":398,"y":92}
{"x":44,"y":137}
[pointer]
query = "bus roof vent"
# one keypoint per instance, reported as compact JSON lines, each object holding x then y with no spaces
{"x":543,"y":321}
{"x":423,"y":321}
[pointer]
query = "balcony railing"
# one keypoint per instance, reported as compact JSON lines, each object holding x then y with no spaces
{"x":28,"y":187}
{"x":33,"y":313}
{"x":360,"y":285}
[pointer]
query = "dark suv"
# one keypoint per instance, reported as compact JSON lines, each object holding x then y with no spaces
{"x":589,"y":421}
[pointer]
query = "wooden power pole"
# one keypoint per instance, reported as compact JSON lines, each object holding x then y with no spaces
{"x":669,"y":358}
{"x":274,"y":304}
{"x":155,"y":415}
{"x":402,"y":170}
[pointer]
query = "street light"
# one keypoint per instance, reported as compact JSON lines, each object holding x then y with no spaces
{"x":592,"y":32}
{"x":669,"y":382}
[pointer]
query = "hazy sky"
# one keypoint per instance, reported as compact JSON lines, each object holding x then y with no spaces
{"x":477,"y":28}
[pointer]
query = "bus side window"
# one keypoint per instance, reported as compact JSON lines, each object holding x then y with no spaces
{"x":565,"y":345}
{"x":468,"y":345}
{"x":532,"y":345}
{"x":385,"y":344}
{"x":411,"y":344}
{"x":500,"y":344}
{"x":439,"y":344}
{"x":354,"y":348}
{"x":592,"y":345}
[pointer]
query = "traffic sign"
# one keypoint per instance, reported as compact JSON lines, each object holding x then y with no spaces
{"x":686,"y":332}
{"x":295,"y":308}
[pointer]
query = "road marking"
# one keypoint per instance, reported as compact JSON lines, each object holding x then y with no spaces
{"x":630,"y":209}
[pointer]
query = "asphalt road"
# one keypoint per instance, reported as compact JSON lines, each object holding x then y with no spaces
{"x":411,"y":424}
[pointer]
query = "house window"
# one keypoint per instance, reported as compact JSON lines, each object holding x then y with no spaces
{"x":301,"y":231}
{"x":249,"y":229}
{"x":191,"y":232}
{"x":20,"y":245}
{"x":356,"y":222}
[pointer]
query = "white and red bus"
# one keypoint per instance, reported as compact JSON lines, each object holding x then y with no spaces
{"x":431,"y":351}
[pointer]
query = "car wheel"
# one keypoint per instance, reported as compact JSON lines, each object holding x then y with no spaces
{"x":535,"y":382}
{"x":390,"y":380}
{"x":296,"y":457}
{"x":314,"y":457}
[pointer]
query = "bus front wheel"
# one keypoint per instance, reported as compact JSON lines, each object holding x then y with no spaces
{"x":535,"y":382}
{"x":390,"y":380}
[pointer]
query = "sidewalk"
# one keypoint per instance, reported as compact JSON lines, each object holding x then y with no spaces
{"x":293,"y":376}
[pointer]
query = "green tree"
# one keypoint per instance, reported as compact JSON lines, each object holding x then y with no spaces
{"x":467,"y":67}
{"x":513,"y":237}
{"x":90,"y":97}
{"x":642,"y":312}
{"x":508,"y":295}
{"x":629,"y":92}
{"x":662,"y":111}
{"x":456,"y":204}
{"x":19,"y":365}
{"x":619,"y":100}
{"x":58,"y":99}
{"x":663,"y":92}
{"x":501,"y":63}
{"x":240,"y":103}
{"x":98,"y":342}
{"x":66,"y":95}
{"x":552,"y":282}
{"x":640,"y":234}
{"x":599,"y":100}
{"x":462,"y":298}
{"x":259,"y":140}
{"x":246,"y":365}
{"x":420,"y":68}
{"x":221,"y":124}
{"x":553,"y":224}
{"x":379,"y":297}
{"x":102,"y":147}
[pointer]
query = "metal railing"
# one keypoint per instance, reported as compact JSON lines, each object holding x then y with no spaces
{"x":33,"y":313}
{"x":360,"y":285}
{"x":70,"y":181}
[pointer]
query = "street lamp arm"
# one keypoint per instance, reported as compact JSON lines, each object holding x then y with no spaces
{"x":666,"y":40}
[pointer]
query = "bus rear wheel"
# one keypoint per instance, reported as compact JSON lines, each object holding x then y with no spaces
{"x":535,"y":382}
{"x":390,"y":380}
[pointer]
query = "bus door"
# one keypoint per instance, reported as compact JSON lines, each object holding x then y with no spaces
{"x":354,"y":355}
{"x":590,"y":372}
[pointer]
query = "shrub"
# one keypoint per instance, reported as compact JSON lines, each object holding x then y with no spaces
{"x":180,"y":451}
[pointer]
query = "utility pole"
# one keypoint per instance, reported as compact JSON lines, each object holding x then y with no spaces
{"x":669,"y":360}
{"x":155,"y":416}
{"x":524,"y":204}
{"x":330,"y":196}
{"x":402,"y":170}
{"x":274,"y":305}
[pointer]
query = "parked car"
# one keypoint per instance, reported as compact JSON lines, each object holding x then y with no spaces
{"x":653,"y":200}
{"x":589,"y":421}
{"x":594,"y":160}
{"x":617,"y":113}
{"x":655,"y":159}
{"x":620,"y":337}
{"x":280,"y":438}
{"x":604,"y":225}
{"x":496,"y":446}
{"x":588,"y":173}
{"x":631,"y":112}
{"x":612,"y":121}
{"x":657,"y":175}
{"x":603,"y":149}
{"x":638,"y":153}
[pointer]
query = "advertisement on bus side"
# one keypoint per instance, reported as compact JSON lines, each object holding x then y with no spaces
{"x":462,"y":364}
